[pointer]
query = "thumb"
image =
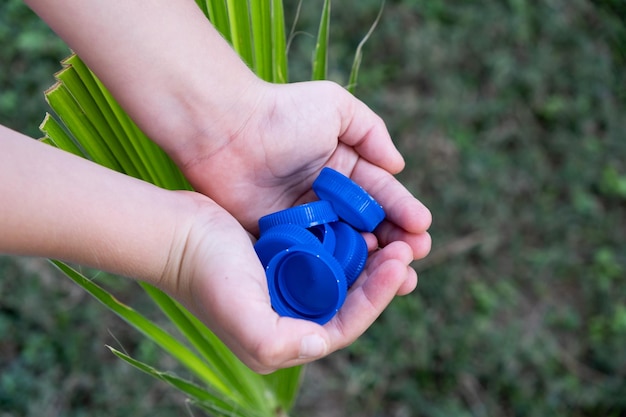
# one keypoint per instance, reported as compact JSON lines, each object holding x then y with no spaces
{"x":367,"y":133}
{"x":275,"y":342}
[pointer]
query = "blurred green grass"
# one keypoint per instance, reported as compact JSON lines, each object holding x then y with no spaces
{"x":511,"y":116}
{"x":53,"y":359}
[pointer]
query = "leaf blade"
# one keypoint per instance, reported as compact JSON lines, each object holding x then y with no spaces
{"x":320,"y":58}
{"x":223,"y":362}
{"x":240,"y":31}
{"x":279,"y":43}
{"x":147,"y":328}
{"x":212,"y":401}
{"x":358,"y":55}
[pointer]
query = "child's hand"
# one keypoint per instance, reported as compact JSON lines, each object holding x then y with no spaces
{"x":266,"y":163}
{"x":214,"y":271}
{"x":282,"y":137}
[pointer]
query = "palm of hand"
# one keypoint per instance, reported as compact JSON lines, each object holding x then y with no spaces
{"x":222,"y":282}
{"x":271,"y":160}
{"x":268,"y":163}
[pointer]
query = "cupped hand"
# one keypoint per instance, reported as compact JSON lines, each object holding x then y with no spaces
{"x":215,"y":273}
{"x":267,"y":162}
{"x":278,"y":140}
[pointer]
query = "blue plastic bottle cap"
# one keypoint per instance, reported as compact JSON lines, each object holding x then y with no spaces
{"x":305,"y":215}
{"x":306,"y":283}
{"x":350,"y":201}
{"x":326,"y":235}
{"x":350,"y":251}
{"x":281,"y":237}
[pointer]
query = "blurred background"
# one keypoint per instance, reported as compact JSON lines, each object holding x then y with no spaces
{"x":512,"y":119}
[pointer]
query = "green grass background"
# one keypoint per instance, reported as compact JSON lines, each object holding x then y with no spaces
{"x":512,"y":118}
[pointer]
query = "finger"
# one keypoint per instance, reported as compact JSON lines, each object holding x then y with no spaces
{"x":371,"y":241}
{"x":367,"y":133}
{"x":404,"y":256}
{"x":370,"y":297}
{"x":401,"y":207}
{"x":279,"y":342}
{"x":376,"y":258}
{"x":231,"y":296}
{"x":420,"y":243}
{"x":398,"y":252}
{"x":410,"y":283}
{"x":265,"y":341}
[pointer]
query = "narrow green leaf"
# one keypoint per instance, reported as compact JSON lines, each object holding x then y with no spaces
{"x":47,"y":141}
{"x":128,"y":127}
{"x":320,"y":59}
{"x":106,"y":137}
{"x":218,"y":15}
{"x":292,"y":31}
{"x":243,"y":379}
{"x":212,"y":401}
{"x":106,"y":120}
{"x":58,"y":137}
{"x":285,"y":384}
{"x":358,"y":55}
{"x":202,"y":4}
{"x":278,"y":42}
{"x":104,"y":130}
{"x":223,"y":362}
{"x":152,"y":163}
{"x":240,"y":33}
{"x":73,"y":116}
{"x":155,"y":333}
{"x":261,"y":20}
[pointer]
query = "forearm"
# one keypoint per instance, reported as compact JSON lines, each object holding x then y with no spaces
{"x":163,"y":61}
{"x":60,"y":206}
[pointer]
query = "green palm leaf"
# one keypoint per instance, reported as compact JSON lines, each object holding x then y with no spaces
{"x":278,"y":42}
{"x":358,"y":55}
{"x":159,"y":336}
{"x":240,"y":33}
{"x":320,"y":64}
{"x":215,"y":404}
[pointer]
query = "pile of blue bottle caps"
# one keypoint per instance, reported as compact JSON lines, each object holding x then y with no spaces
{"x":314,"y":252}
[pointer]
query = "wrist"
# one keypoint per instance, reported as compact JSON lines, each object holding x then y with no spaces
{"x":209,"y":117}
{"x":205,"y":238}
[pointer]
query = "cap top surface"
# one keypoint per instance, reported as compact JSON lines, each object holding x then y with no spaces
{"x":306,"y":283}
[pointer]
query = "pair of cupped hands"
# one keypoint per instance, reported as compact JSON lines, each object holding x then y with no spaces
{"x":265,"y":159}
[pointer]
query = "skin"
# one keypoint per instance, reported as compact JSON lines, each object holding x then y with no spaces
{"x":238,"y":140}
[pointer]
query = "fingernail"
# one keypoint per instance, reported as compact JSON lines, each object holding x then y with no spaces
{"x":312,"y":346}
